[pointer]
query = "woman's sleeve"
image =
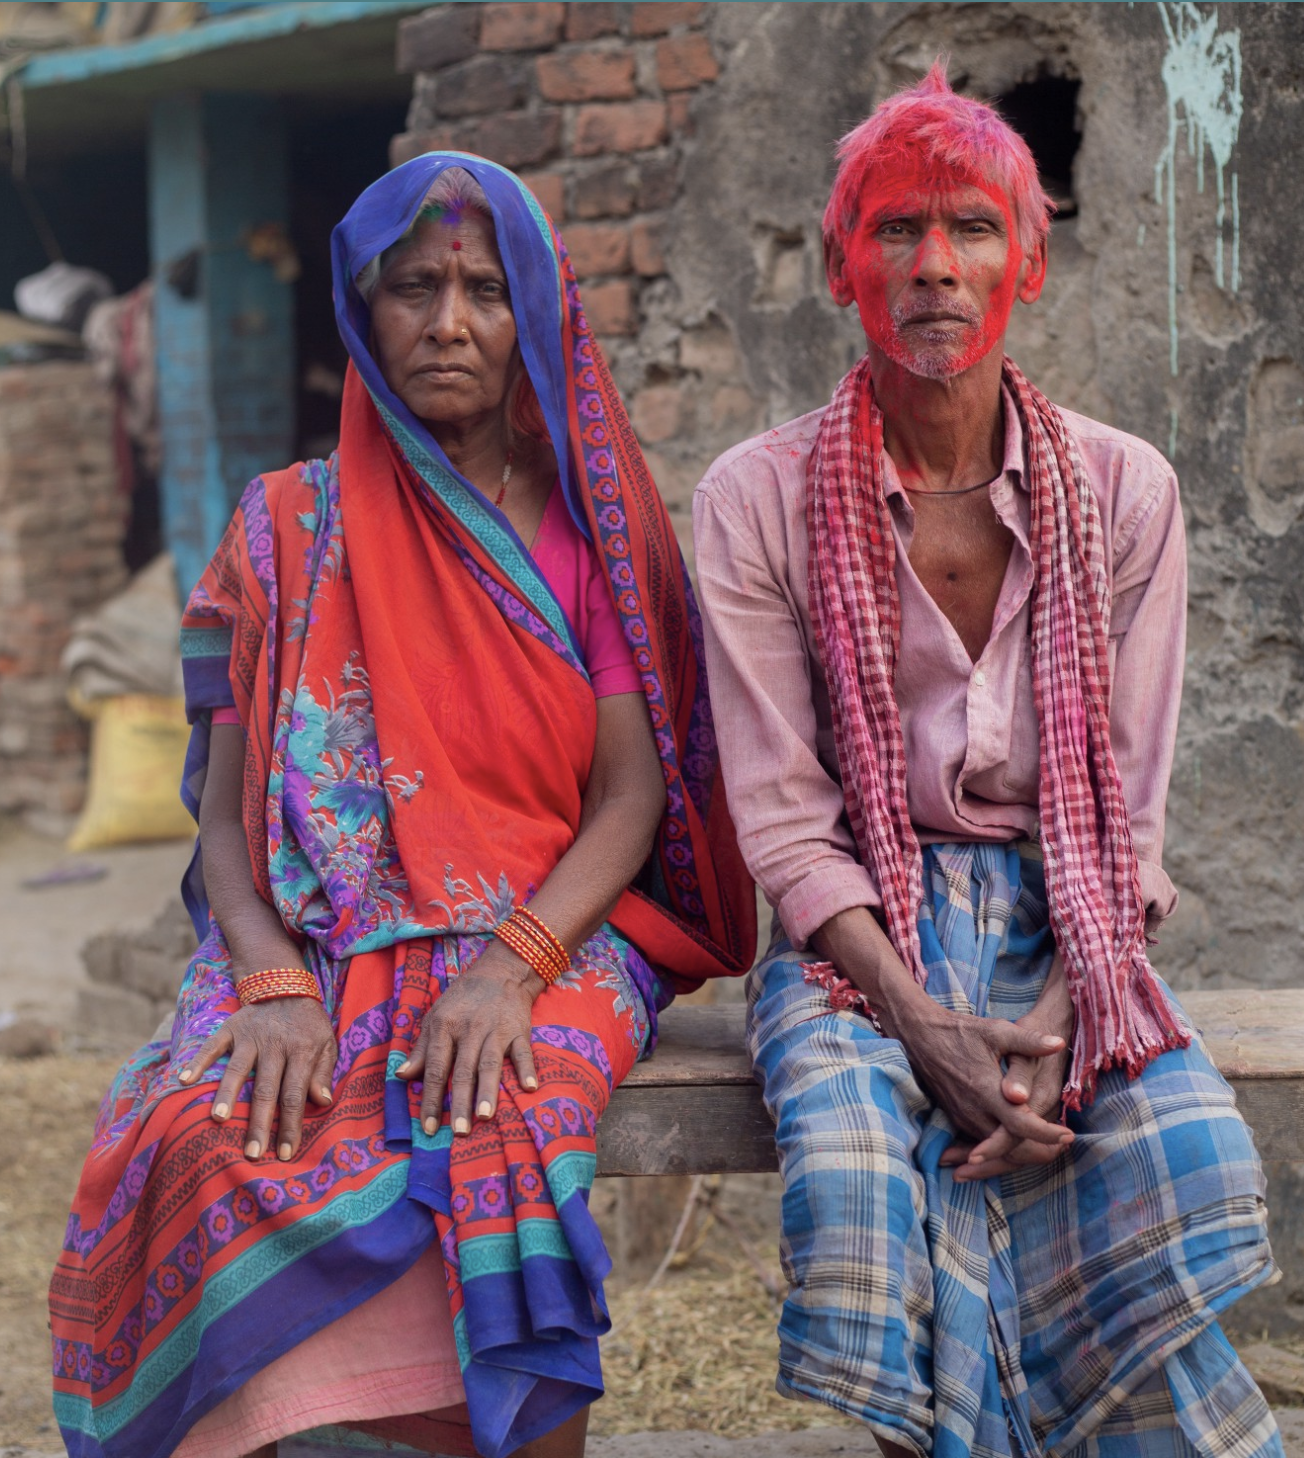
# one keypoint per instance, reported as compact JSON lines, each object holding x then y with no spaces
{"x":608,"y":657}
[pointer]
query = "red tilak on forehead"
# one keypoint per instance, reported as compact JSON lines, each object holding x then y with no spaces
{"x":457,"y":245}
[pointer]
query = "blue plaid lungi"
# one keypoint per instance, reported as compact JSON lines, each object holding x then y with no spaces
{"x":1070,"y":1308}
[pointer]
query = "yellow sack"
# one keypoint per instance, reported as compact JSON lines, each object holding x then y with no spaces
{"x":138,"y":753}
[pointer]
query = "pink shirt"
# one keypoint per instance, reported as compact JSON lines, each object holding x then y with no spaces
{"x":574,"y":571}
{"x":970,"y":728}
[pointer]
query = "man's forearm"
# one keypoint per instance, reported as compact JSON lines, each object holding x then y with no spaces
{"x":859,"y":948}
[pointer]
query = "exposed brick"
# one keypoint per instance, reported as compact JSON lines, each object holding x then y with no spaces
{"x":590,"y":20}
{"x":521,"y":27}
{"x":610,"y":307}
{"x":598,"y":248}
{"x":438,"y":38}
{"x":732,"y":407}
{"x":606,"y":193}
{"x":685,"y":61}
{"x":619,"y":126}
{"x":407,"y":145}
{"x":645,"y":247}
{"x":678,"y":113}
{"x":511,"y":138}
{"x":656,"y":412}
{"x":482,"y":84}
{"x":550,"y":189}
{"x":676,"y":481}
{"x":659,"y":16}
{"x":658,"y":183}
{"x":589,"y":75}
{"x":517,"y":138}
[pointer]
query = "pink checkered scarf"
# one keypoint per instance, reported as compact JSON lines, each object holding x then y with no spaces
{"x":1123,"y":1017}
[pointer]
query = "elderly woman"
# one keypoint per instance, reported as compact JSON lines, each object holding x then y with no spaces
{"x":462,"y":838}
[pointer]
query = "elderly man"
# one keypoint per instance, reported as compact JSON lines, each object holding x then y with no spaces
{"x":945,"y":634}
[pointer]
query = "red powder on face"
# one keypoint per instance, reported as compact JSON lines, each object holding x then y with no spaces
{"x":933,"y":264}
{"x":457,"y":245}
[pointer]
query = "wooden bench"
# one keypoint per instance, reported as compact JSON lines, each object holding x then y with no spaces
{"x":694,"y":1107}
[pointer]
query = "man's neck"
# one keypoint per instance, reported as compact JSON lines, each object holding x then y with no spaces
{"x":942,"y":435}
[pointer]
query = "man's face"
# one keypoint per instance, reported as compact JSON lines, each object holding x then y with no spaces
{"x":934,"y":265}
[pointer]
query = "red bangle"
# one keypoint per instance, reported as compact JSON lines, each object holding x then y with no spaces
{"x":277,"y":982}
{"x":535,"y":945}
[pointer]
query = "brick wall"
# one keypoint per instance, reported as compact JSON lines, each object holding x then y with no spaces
{"x":61,"y":528}
{"x":592,"y":104}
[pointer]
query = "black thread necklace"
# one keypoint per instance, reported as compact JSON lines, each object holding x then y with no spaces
{"x":962,"y":491}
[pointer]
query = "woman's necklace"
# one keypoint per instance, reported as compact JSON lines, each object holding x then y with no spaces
{"x":507,"y":476}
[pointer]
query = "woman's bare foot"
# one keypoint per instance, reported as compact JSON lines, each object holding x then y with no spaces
{"x":565,"y":1441}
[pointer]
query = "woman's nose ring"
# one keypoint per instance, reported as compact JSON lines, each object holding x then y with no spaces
{"x":464,"y":333}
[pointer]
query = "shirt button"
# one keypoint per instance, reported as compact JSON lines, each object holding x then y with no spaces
{"x":979,"y":677}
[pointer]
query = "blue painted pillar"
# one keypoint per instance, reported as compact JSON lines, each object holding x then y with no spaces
{"x":224,"y":321}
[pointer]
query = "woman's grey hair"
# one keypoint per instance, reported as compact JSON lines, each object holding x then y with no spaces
{"x":454,"y":191}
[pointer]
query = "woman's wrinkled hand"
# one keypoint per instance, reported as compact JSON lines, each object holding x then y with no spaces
{"x":289,"y":1046}
{"x":482,"y":1018}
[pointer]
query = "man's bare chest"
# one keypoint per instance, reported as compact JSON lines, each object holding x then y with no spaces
{"x":959,"y":552}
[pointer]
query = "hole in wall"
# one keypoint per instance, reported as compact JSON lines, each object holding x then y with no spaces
{"x":1044,"y":111}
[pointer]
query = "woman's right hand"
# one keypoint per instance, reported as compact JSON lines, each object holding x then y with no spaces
{"x":289,"y":1046}
{"x":483,"y":1017}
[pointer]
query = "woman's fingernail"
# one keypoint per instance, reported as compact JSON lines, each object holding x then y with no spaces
{"x":485,"y":1109}
{"x":253,"y":1149}
{"x":1019,"y":1089}
{"x":430,"y":1126}
{"x":461,"y":1126}
{"x":1049,"y":1040}
{"x":185,"y":1075}
{"x":285,"y":1151}
{"x":403,"y":1067}
{"x":325,"y":1095}
{"x":220,"y":1111}
{"x":531,"y":1084}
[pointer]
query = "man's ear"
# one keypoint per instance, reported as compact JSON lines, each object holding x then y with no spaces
{"x":835,"y":270}
{"x":1034,"y":273}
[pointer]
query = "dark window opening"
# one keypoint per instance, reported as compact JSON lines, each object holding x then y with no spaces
{"x":1044,"y":112}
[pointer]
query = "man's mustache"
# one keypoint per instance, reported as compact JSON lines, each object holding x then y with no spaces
{"x":934,"y":306}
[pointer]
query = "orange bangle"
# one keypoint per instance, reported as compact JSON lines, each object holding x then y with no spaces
{"x":535,"y":945}
{"x":277,"y":982}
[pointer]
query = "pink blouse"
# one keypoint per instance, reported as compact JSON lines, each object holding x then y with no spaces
{"x":572,"y":568}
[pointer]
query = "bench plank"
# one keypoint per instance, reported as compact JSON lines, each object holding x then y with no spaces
{"x":693,"y":1107}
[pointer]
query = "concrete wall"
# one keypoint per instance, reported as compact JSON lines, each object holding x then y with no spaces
{"x":725,"y":326}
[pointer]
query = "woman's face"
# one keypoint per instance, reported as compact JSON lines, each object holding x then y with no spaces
{"x":443,"y":331}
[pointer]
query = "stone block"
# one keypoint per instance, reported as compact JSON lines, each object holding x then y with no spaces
{"x":607,"y":192}
{"x":709,"y":351}
{"x":685,"y":61}
{"x":597,"y":248}
{"x":645,"y":246}
{"x":406,"y":145}
{"x":482,"y":84}
{"x":521,"y":27}
{"x":592,"y":74}
{"x":656,"y":412}
{"x":102,"y":957}
{"x":610,"y":307}
{"x":438,"y":38}
{"x":155,"y":975}
{"x":589,"y":20}
{"x":115,"y":1016}
{"x":658,"y":17}
{"x":28,"y":1038}
{"x":619,"y":126}
{"x":550,"y":190}
{"x":1279,"y":1373}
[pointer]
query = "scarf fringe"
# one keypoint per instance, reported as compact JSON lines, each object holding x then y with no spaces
{"x":1141,"y":1025}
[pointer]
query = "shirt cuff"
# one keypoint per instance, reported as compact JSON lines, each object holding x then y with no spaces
{"x":1158,"y":894}
{"x":823,"y":893}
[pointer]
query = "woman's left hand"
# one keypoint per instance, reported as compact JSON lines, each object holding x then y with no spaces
{"x":465,"y":1036}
